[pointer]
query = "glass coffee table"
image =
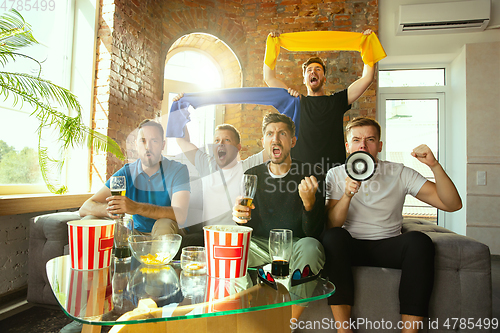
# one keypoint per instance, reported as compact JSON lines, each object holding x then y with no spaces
{"x":137,"y":298}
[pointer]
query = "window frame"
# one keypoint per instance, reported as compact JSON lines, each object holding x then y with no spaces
{"x":415,"y":69}
{"x":77,"y":30}
{"x":418,"y":92}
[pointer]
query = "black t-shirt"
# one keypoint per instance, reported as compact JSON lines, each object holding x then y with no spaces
{"x":321,"y":130}
{"x":278,"y":203}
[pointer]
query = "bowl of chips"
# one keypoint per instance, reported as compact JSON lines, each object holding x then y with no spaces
{"x":155,"y":251}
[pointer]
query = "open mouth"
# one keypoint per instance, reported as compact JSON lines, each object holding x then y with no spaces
{"x":313,"y":79}
{"x":276,"y":151}
{"x":221,"y":153}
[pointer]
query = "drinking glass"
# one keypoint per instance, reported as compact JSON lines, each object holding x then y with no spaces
{"x":123,"y":229}
{"x":194,"y":260}
{"x":119,"y":281}
{"x":280,"y":249}
{"x":118,"y":186}
{"x":193,"y":286}
{"x":248,"y":189}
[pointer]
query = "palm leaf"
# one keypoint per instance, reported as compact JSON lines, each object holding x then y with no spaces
{"x":38,"y":89}
{"x":15,"y":33}
{"x":72,"y":132}
{"x":46,"y":165}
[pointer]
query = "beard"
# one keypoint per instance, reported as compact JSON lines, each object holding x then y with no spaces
{"x":317,"y":87}
{"x":279,"y":160}
{"x":149,"y":161}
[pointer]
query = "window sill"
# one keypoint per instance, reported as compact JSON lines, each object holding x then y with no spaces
{"x":32,"y":203}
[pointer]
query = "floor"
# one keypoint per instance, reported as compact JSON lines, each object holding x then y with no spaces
{"x":51,"y":320}
{"x":35,"y":319}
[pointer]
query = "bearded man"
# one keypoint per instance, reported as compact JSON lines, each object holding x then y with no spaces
{"x":321,"y":134}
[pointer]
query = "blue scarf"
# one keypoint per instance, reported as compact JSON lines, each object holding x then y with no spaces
{"x":277,"y":97}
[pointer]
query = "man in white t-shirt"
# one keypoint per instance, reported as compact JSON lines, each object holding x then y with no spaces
{"x":220,"y":173}
{"x":365,"y":225}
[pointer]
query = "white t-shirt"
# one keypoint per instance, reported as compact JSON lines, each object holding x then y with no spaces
{"x":216,"y":208}
{"x":376,"y":211}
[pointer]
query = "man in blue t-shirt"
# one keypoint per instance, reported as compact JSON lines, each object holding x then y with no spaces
{"x":157,"y":192}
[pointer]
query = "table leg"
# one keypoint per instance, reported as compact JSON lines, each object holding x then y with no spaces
{"x":91,"y":329}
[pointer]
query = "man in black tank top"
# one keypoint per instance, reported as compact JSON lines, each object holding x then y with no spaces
{"x":321,"y":135}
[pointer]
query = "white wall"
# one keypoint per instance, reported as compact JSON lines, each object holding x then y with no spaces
{"x":450,"y":51}
{"x":455,"y":143}
{"x":483,"y":143}
{"x":424,"y":49}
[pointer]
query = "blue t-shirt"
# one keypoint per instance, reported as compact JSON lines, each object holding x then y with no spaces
{"x":156,"y":190}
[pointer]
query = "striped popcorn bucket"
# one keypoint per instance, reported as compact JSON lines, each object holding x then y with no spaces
{"x":90,"y":243}
{"x":222,"y":294}
{"x":227,"y":250}
{"x":89,"y":293}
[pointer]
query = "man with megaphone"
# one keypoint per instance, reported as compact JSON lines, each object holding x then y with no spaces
{"x":365,"y":218}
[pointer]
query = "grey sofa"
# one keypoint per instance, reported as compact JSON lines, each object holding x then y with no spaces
{"x":462,"y":286}
{"x":48,"y":239}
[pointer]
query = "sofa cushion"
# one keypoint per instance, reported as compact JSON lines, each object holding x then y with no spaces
{"x":48,"y":237}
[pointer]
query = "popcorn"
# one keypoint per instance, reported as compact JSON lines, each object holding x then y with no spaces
{"x":157,"y":259}
{"x":195,"y":266}
{"x":226,"y":228}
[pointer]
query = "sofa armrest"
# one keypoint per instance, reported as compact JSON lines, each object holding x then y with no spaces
{"x":48,"y":237}
{"x":453,"y":251}
{"x":462,"y":283}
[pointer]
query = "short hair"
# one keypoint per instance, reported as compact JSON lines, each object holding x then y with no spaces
{"x":313,"y":60}
{"x":278,"y":118}
{"x":153,"y":123}
{"x":362,"y":121}
{"x":229,"y":127}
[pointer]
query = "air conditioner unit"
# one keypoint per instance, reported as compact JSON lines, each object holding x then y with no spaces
{"x":445,"y":17}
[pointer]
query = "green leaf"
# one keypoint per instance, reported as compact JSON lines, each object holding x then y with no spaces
{"x":15,"y":34}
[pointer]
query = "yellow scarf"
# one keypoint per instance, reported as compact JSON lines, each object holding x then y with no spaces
{"x":369,"y":45}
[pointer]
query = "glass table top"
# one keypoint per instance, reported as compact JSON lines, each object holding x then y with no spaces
{"x":131,"y":293}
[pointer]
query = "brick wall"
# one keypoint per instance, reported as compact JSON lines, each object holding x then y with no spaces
{"x":343,"y":68}
{"x":135,"y":36}
{"x":14,"y":243}
{"x":129,"y":74}
{"x":13,"y":252}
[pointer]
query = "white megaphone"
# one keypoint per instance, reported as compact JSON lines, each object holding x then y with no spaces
{"x":360,"y":166}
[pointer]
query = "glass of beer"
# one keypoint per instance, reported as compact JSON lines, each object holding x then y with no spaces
{"x":123,"y":229}
{"x":118,"y":186}
{"x":248,"y":189}
{"x":280,"y":249}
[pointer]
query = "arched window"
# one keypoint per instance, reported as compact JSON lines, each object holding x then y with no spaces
{"x":191,"y":70}
{"x":193,"y":66}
